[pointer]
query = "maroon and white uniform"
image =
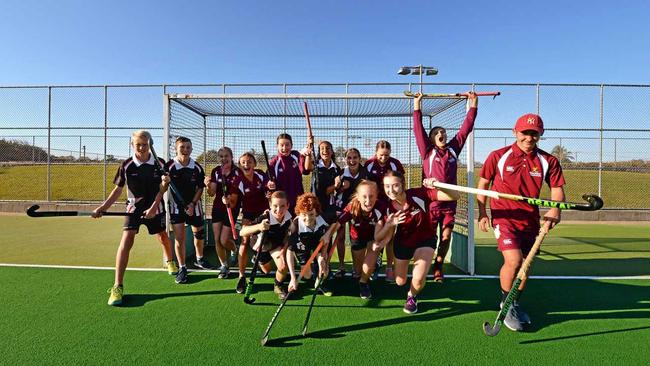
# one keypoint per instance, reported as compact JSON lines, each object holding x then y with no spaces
{"x":219,"y":213}
{"x":362,"y":229}
{"x":513,"y":171}
{"x":416,"y":231}
{"x":376,"y":172}
{"x":343,"y":196}
{"x":442,"y":164}
{"x":288,"y":171}
{"x":253,"y":194}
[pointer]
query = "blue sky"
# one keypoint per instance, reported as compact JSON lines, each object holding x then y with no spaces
{"x":109,"y":42}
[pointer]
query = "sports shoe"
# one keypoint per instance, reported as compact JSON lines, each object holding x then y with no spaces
{"x":512,"y":319}
{"x":390,"y":275}
{"x":233,"y":258}
{"x":116,"y":295}
{"x":181,"y":276}
{"x":280,"y":290}
{"x":411,"y":305}
{"x":438,"y":276}
{"x":523,"y":317}
{"x":224,"y":271}
{"x":172,"y":267}
{"x":364,"y":291}
{"x":241,"y":285}
{"x":340,"y":273}
{"x":202,"y":263}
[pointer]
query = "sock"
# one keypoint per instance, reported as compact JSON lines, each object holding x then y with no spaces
{"x":504,"y":294}
{"x":183,"y":266}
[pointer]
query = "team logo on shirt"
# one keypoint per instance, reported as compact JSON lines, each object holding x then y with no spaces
{"x":295,"y":165}
{"x":247,"y":190}
{"x":415,"y":212}
{"x":510,"y":169}
{"x":535,"y":172}
{"x":451,"y":160}
{"x":507,"y":241}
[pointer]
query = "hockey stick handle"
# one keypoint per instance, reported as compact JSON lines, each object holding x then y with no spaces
{"x":525,"y":266}
{"x":310,"y":134}
{"x":256,"y":266}
{"x":464,"y":95}
{"x":32,"y":212}
{"x":231,"y":219}
{"x":594,"y":202}
{"x":172,"y":187}
{"x":270,"y":171}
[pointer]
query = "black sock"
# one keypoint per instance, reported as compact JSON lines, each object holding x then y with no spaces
{"x":278,"y":283}
{"x":504,"y":294}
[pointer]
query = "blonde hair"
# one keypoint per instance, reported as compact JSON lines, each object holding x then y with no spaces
{"x":143,"y":134}
{"x":355,"y":204}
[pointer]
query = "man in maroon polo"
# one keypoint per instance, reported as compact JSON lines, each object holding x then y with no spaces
{"x":521,"y":169}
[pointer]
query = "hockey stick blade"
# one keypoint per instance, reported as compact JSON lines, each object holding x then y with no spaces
{"x":490,"y":330}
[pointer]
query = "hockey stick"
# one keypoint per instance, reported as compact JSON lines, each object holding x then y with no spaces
{"x":594,"y":202}
{"x":311,"y":134}
{"x":224,"y":187}
{"x":514,"y":291}
{"x":265,"y":337}
{"x":457,"y":95}
{"x":269,"y":171}
{"x":32,"y":212}
{"x":172,"y":187}
{"x":249,"y":286}
{"x":319,"y":283}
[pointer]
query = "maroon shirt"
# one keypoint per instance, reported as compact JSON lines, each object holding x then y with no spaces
{"x":417,"y":227}
{"x":376,"y":172}
{"x":287,"y":172}
{"x":231,"y":186}
{"x":363,"y":228}
{"x":511,"y":170}
{"x":442,"y":164}
{"x":253,"y":193}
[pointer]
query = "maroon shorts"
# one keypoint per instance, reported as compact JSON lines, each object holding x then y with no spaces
{"x":445,"y":217}
{"x":508,"y":237}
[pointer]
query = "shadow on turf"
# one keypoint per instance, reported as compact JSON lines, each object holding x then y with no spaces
{"x":584,"y":335}
{"x":138,"y":300}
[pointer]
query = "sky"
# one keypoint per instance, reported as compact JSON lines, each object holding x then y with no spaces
{"x":68,"y":42}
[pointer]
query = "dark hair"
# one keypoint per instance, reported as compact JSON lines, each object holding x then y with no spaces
{"x":394,"y":173}
{"x":182,"y":139}
{"x":353,"y":149}
{"x":382,"y":144}
{"x":331,"y":148}
{"x":226,"y":148}
{"x":250,"y":155}
{"x":434,"y":131}
{"x":285,"y":136}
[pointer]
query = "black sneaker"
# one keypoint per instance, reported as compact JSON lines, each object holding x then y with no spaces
{"x":181,"y":276}
{"x":364,"y":291}
{"x":202,"y":263}
{"x":241,"y":285}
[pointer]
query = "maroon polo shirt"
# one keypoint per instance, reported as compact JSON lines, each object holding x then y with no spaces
{"x":417,"y":227}
{"x":363,"y":228}
{"x":513,"y":171}
{"x":253,"y":192}
{"x":442,"y":164}
{"x":376,"y":172}
{"x":287,"y":171}
{"x":217,"y":177}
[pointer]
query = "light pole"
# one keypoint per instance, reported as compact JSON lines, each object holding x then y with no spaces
{"x":418,"y":70}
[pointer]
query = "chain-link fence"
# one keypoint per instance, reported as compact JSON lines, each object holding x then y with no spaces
{"x":63,"y":143}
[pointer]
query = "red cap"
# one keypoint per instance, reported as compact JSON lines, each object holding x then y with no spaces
{"x":530,"y":121}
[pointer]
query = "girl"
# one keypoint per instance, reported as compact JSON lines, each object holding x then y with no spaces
{"x":188,"y":177}
{"x":368,"y":234}
{"x":440,"y":161}
{"x":377,"y":167}
{"x":252,"y":186}
{"x":276,"y":222}
{"x":224,"y":175}
{"x":288,"y":167}
{"x":415,"y":237}
{"x":145,"y":188}
{"x":345,"y":185}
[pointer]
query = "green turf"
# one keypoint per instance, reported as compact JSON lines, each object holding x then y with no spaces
{"x":570,"y":249}
{"x":55,"y":316}
{"x":70,"y":182}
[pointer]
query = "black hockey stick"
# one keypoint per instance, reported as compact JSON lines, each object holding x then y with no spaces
{"x":593,"y":201}
{"x":319,"y":283}
{"x":265,"y":337}
{"x":249,"y":286}
{"x":32,"y":212}
{"x":514,"y":290}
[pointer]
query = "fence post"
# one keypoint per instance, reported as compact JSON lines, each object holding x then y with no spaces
{"x":347,"y":117}
{"x":600,"y":160}
{"x":33,"y":150}
{"x":49,"y":143}
{"x":537,"y":97}
{"x":105,"y":139}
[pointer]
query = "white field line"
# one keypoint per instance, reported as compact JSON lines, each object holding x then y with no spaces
{"x":645,"y":277}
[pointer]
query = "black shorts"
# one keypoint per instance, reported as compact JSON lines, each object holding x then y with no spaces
{"x":251,"y":216}
{"x":219,"y":215}
{"x":183,"y":218}
{"x":155,"y":225}
{"x":265,"y":257}
{"x":359,"y":244}
{"x":303,"y":252}
{"x":330,"y":215}
{"x":406,"y":253}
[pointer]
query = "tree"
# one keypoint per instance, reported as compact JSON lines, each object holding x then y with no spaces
{"x":562,"y":154}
